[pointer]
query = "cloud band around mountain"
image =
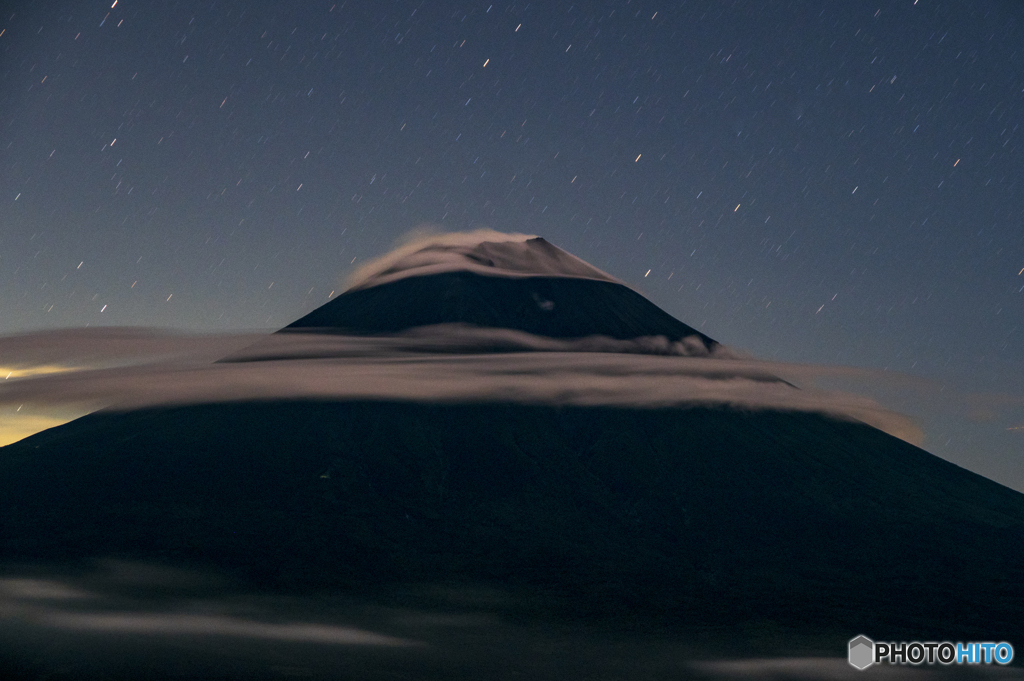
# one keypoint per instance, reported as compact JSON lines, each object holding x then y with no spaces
{"x":444,"y":368}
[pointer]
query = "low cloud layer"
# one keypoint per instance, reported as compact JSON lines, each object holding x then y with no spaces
{"x":99,"y":346}
{"x":134,"y":618}
{"x":133,"y":371}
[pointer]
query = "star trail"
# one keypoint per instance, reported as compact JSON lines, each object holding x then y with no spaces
{"x":826,"y":183}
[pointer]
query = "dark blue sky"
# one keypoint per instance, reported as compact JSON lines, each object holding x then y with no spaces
{"x":823,"y":182}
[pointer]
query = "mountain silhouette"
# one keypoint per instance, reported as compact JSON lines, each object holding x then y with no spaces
{"x":680,"y":518}
{"x":550,"y":294}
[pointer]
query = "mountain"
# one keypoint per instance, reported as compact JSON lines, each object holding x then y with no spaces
{"x":530,"y":286}
{"x":793,"y":530}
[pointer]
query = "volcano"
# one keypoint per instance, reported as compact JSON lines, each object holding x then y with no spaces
{"x":528,"y":286}
{"x":684,"y":517}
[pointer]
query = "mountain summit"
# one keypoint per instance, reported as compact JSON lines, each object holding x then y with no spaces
{"x":482,"y":251}
{"x":491,"y":280}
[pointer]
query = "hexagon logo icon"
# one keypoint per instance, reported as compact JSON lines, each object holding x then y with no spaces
{"x":862,"y":652}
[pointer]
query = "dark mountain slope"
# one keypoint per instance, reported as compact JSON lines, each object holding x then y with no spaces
{"x":676,"y":517}
{"x":559,"y":307}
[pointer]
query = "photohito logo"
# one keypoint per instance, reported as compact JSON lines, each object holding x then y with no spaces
{"x":863,"y":652}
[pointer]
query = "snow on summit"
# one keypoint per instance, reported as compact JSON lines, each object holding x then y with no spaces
{"x":482,"y":251}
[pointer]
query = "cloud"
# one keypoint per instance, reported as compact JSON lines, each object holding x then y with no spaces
{"x":424,"y":366}
{"x":57,"y":604}
{"x":129,"y":616}
{"x":308,"y":343}
{"x":211,"y":625}
{"x":63,"y":349}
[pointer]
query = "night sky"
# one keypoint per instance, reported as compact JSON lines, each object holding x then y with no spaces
{"x":834,"y":183}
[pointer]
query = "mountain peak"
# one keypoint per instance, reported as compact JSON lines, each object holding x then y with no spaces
{"x":490,"y":280}
{"x":481,"y":251}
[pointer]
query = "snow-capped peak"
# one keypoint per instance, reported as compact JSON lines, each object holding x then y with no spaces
{"x":482,"y":251}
